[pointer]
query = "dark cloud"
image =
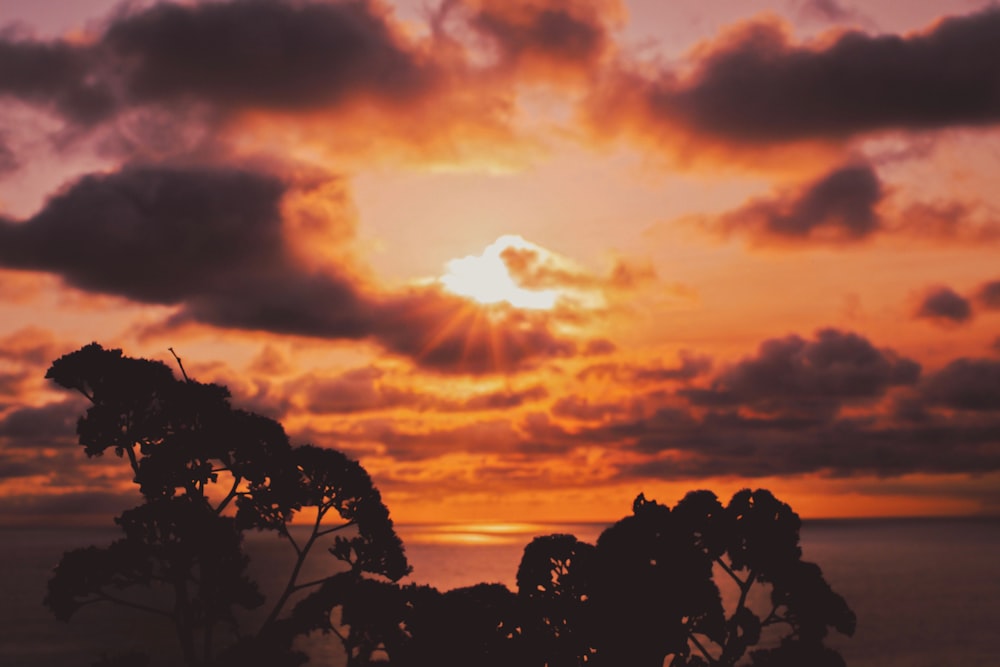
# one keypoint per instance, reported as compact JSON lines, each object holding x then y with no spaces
{"x":965,"y":384}
{"x":209,"y":238}
{"x":839,"y":206}
{"x":674,"y":444}
{"x":157,"y":235}
{"x":944,"y":305}
{"x":775,"y":415}
{"x":731,"y":446}
{"x":794,"y":376}
{"x":45,"y":425}
{"x":57,"y":75}
{"x":951,"y":424}
{"x":756,"y":87}
{"x":523,"y":32}
{"x":757,"y":97}
{"x":988,"y":295}
{"x":450,"y":334}
{"x":261,"y":54}
{"x":253,"y":54}
{"x":213,"y":242}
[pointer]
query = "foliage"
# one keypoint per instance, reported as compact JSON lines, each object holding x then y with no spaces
{"x":192,"y":455}
{"x":647,"y":594}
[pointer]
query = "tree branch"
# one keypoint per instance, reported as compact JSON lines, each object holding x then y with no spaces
{"x":704,"y":651}
{"x":290,"y":587}
{"x":730,"y":572}
{"x":335,"y":528}
{"x":183,"y":372}
{"x":229,"y":496}
{"x":133,"y":605}
{"x":299,"y":587}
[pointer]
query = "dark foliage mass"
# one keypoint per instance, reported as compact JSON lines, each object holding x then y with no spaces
{"x":648,"y":593}
{"x":207,"y":474}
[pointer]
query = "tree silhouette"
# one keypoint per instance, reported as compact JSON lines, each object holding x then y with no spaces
{"x":648,"y":593}
{"x":208,"y":473}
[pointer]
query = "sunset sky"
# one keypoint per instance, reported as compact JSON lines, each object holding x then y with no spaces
{"x":521,"y":258}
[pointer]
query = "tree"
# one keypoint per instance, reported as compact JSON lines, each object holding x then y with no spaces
{"x":208,"y":473}
{"x":647,"y":592}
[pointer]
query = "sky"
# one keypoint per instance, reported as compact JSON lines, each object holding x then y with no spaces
{"x":523,"y":259}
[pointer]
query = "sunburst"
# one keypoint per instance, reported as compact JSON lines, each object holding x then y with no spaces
{"x":486,"y":278}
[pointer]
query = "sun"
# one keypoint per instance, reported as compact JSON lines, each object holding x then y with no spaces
{"x":486,"y":278}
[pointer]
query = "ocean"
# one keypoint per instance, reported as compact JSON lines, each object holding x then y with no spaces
{"x":926,"y":591}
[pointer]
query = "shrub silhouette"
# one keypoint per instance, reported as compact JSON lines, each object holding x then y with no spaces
{"x":207,"y":474}
{"x":645,"y":595}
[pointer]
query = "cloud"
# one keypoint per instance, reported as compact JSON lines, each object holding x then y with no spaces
{"x":731,"y":446}
{"x":482,"y":438}
{"x":356,"y":81}
{"x":828,"y":10}
{"x":262,"y":55}
{"x":944,"y":305}
{"x":56,"y":75}
{"x":532,"y":267}
{"x":450,"y":334}
{"x":214,"y":242}
{"x":947,"y":220}
{"x":44,"y":425}
{"x":692,"y":365}
{"x":678,"y":442}
{"x":543,"y":35}
{"x":757,"y":94}
{"x":809,"y":378}
{"x":24,"y":355}
{"x":236,"y":56}
{"x":851,"y":204}
{"x":839,"y":206}
{"x":965,"y":384}
{"x":756,"y":86}
{"x":370,"y":388}
{"x":30,"y":346}
{"x":988,"y":295}
{"x":583,"y":409}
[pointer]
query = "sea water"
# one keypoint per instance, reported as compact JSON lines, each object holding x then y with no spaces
{"x":926,"y":592}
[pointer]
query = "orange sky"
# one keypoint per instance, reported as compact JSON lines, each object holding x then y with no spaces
{"x":523,"y":259}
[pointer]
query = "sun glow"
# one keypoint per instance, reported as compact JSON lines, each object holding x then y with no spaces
{"x":486,"y":278}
